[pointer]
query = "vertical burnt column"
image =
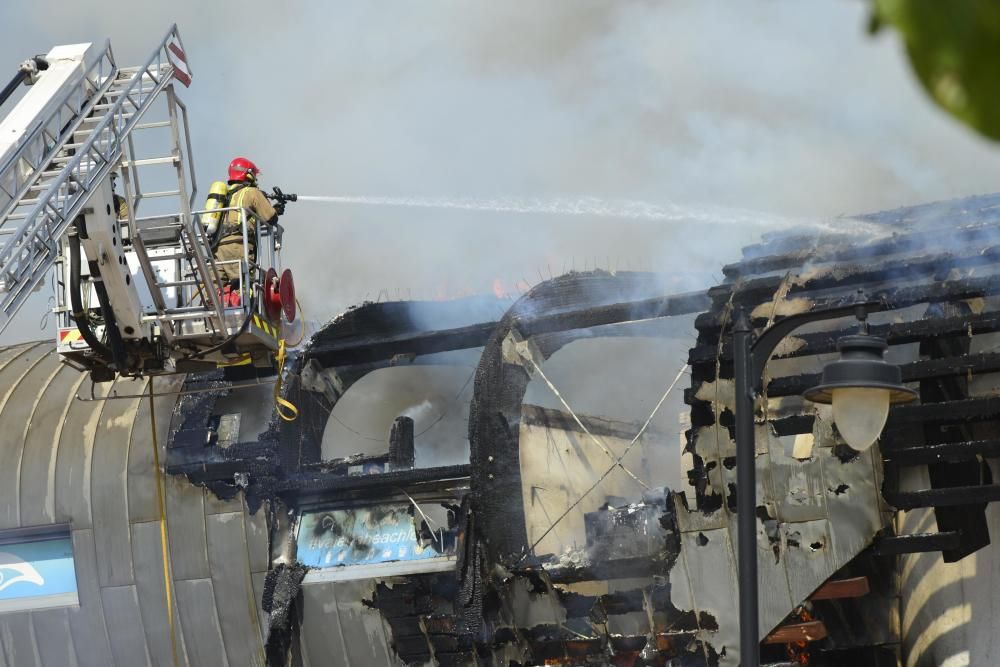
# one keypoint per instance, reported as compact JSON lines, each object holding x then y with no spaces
{"x":401,"y":444}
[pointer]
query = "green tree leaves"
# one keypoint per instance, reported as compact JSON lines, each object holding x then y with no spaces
{"x":954,"y":47}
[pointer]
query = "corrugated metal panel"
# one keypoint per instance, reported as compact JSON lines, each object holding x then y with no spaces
{"x":108,"y":487}
{"x":86,"y":622}
{"x":186,"y":522}
{"x":362,"y":626}
{"x":233,"y":588}
{"x":322,"y":648}
{"x":53,"y":624}
{"x":141,"y":483}
{"x":17,"y":640}
{"x":257,"y":541}
{"x":89,"y":464}
{"x":258,"y":592}
{"x":23,"y":380}
{"x":128,"y":641}
{"x":149,"y":587}
{"x":38,"y":462}
{"x":75,"y":458}
{"x":196,"y":602}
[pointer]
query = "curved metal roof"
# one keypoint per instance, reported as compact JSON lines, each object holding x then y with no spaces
{"x":90,"y":465}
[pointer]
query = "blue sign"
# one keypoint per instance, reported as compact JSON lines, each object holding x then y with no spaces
{"x":366,"y":536}
{"x":38,"y":569}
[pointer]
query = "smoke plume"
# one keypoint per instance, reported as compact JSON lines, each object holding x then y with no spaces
{"x":786,"y":109}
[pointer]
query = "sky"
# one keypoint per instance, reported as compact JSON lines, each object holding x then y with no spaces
{"x":787,"y":109}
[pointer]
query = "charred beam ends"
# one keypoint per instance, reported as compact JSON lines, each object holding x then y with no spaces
{"x":895,"y":334}
{"x":598,"y":570}
{"x":305,"y":483}
{"x":854,"y":587}
{"x":863,"y":269}
{"x":945,"y":452}
{"x":795,"y":252}
{"x":911,"y":372}
{"x":810,"y":631}
{"x":627,"y":311}
{"x":401,"y":444}
{"x":920,"y":543}
{"x":946,"y":497}
{"x":971,"y":409}
{"x":895,"y":297}
{"x":375,"y":348}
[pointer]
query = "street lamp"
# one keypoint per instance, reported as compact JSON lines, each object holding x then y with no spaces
{"x":861,"y":385}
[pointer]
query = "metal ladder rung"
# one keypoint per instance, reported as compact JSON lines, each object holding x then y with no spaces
{"x":203,"y":314}
{"x":150,"y":126}
{"x":44,"y":184}
{"x":168,"y":258}
{"x":177,"y":283}
{"x":63,"y":159}
{"x":164,"y":193}
{"x":53,"y":172}
{"x":94,"y":120}
{"x":164,"y":258}
{"x":151,"y":160}
{"x":109,"y":105}
{"x":118,"y":92}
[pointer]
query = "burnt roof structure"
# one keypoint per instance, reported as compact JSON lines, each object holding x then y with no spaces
{"x":571,"y":532}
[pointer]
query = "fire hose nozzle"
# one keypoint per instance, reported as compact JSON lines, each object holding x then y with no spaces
{"x":278,"y":195}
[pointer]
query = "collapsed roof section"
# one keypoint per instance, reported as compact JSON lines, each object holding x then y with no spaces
{"x":563,"y":546}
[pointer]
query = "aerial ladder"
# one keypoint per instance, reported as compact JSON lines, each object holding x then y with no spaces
{"x":137,"y":289}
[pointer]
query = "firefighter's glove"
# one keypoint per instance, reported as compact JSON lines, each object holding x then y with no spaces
{"x":279,"y":207}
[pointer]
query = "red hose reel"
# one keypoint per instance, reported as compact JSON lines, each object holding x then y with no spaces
{"x":279,"y":295}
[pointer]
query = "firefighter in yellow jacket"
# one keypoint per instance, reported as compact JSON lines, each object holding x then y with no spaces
{"x":243,"y":193}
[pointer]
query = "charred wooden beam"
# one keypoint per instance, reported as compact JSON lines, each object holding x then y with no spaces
{"x":628,"y":311}
{"x":793,"y":425}
{"x":911,"y":372}
{"x":610,"y":604}
{"x":860,"y":271}
{"x":327,"y":483}
{"x":809,"y":631}
{"x":401,"y":444}
{"x":896,"y":297}
{"x":370,"y":348}
{"x":973,"y":409}
{"x":855,"y":587}
{"x":947,"y":452}
{"x":765,"y":258}
{"x":970,"y":409}
{"x":918,"y":543}
{"x":618,"y":568}
{"x":947,"y":497}
{"x":895,"y":334}
{"x":367,"y":349}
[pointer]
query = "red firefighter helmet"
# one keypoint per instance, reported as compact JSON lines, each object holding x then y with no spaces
{"x":242,"y":169}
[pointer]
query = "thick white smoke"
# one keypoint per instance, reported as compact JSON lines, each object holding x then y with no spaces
{"x":786,"y":109}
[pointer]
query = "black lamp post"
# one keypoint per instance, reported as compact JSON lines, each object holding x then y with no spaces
{"x":861,"y":386}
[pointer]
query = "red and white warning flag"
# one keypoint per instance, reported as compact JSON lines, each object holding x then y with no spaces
{"x":175,"y":54}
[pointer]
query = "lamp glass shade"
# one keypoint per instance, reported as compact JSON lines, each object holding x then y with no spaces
{"x":860,"y":414}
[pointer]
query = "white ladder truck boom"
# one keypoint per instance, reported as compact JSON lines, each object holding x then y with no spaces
{"x":135,"y":294}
